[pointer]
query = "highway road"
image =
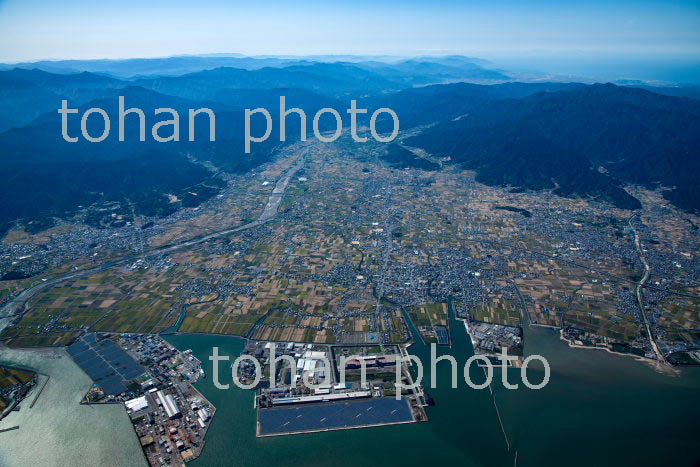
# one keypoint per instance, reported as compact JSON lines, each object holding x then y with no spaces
{"x":18,"y":305}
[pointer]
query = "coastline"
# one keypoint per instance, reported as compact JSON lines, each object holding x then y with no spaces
{"x":70,"y":432}
{"x":593,"y":347}
{"x":664,"y":367}
{"x":375,"y":425}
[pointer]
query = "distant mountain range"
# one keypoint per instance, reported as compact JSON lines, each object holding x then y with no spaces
{"x":570,"y":138}
{"x":418,"y":70}
{"x":331,"y":79}
{"x":30,"y":89}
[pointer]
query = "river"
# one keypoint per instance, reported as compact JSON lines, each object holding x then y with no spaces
{"x":19,"y":303}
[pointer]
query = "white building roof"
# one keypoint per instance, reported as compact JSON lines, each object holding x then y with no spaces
{"x":168,"y":403}
{"x":136,"y":404}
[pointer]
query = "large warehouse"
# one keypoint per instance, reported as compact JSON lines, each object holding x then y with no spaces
{"x":168,"y":404}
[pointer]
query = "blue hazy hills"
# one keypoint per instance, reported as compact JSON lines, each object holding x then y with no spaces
{"x":575,"y":139}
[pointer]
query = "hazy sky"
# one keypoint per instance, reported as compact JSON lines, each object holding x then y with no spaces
{"x":31,"y":30}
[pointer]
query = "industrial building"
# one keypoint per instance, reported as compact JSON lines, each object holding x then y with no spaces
{"x":321,"y":397}
{"x":313,"y":363}
{"x":134,"y":405}
{"x":169,"y":405}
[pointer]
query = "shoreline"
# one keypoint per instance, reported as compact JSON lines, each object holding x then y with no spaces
{"x":607,"y":349}
{"x":208,"y":426}
{"x":34,"y":390}
{"x":664,"y":367}
{"x":375,"y":425}
{"x":57,"y":396}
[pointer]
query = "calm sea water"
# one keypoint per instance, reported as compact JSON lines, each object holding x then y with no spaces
{"x":58,"y":431}
{"x":598,"y":409}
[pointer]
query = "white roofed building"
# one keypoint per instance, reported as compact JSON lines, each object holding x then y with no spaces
{"x":168,"y":404}
{"x":134,"y":405}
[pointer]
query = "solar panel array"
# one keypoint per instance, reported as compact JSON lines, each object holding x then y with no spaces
{"x":334,"y":415}
{"x":443,"y":338}
{"x":105,"y":362}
